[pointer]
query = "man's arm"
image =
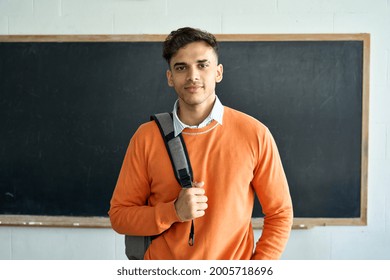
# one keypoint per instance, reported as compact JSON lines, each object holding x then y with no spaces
{"x":129,"y":213}
{"x":271,"y":187}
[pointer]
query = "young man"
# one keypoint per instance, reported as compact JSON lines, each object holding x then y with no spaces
{"x":233,"y":156}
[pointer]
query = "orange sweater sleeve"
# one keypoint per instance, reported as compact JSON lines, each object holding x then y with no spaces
{"x":128,"y":212}
{"x":271,"y":187}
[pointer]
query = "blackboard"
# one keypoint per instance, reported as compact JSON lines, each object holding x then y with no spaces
{"x":69,"y":106}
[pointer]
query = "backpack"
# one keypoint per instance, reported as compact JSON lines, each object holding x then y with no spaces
{"x":136,"y":246}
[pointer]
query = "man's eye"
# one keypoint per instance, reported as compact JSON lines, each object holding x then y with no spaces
{"x":203,"y":65}
{"x":180,"y":68}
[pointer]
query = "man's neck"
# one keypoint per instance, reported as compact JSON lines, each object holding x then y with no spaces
{"x":194,"y":115}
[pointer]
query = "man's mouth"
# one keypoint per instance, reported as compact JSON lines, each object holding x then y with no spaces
{"x":193,"y":88}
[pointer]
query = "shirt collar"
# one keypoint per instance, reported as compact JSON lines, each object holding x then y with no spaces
{"x":216,"y":114}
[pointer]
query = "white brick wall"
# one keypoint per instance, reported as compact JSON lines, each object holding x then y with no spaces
{"x":16,"y":7}
{"x":3,"y":25}
{"x":278,"y":23}
{"x":47,"y":8}
{"x":332,"y":6}
{"x":388,"y":144}
{"x":223,"y":16}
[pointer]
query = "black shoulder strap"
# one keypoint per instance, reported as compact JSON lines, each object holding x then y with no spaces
{"x":176,"y":149}
{"x":179,"y":157}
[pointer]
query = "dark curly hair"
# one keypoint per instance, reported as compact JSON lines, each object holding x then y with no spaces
{"x":184,"y":36}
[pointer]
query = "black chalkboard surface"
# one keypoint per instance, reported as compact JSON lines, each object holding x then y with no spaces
{"x":69,"y":108}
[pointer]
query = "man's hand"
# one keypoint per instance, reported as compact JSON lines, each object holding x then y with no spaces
{"x":191,"y":202}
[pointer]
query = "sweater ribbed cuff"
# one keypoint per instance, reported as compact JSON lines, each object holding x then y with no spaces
{"x":166,"y":215}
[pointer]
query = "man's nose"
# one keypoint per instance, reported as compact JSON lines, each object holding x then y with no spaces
{"x":193,"y":74}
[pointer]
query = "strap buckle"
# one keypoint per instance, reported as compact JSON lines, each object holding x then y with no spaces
{"x":185,"y":178}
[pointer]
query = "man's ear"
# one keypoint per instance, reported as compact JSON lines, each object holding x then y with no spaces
{"x":219,"y":76}
{"x":169,"y":78}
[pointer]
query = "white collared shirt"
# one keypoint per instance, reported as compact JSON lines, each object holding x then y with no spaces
{"x":216,"y":114}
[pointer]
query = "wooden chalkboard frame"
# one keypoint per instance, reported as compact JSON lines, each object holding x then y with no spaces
{"x":299,"y":223}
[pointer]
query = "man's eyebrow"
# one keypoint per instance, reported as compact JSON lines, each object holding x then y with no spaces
{"x":185,"y":64}
{"x":179,"y":64}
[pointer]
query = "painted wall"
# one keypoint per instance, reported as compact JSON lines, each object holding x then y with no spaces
{"x":223,"y":16}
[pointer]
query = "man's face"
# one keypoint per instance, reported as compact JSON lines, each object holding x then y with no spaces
{"x":194,"y":73}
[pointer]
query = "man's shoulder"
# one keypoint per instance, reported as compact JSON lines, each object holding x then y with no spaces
{"x":243,"y":120}
{"x":147,"y":129}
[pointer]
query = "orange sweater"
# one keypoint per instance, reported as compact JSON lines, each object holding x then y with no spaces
{"x":235,"y":160}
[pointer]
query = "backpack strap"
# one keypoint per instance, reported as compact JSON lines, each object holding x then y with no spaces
{"x":176,"y":149}
{"x":179,"y":156}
